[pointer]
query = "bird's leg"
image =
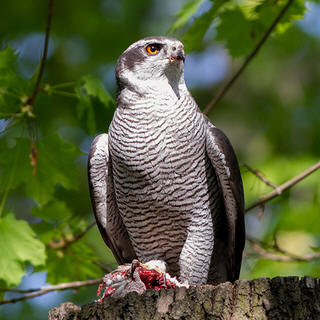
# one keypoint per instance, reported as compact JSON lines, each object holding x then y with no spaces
{"x":196,"y":253}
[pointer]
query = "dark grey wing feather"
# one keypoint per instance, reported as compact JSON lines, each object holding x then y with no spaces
{"x":225,"y":164}
{"x":104,"y":202}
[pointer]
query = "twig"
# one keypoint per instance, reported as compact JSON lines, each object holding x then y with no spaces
{"x":44,"y":290}
{"x":259,"y":175}
{"x":272,"y":256}
{"x":19,"y":290}
{"x":63,"y":85}
{"x":63,"y":93}
{"x":66,"y":243}
{"x":281,"y":255}
{"x":32,"y":129}
{"x":285,"y":186}
{"x":35,"y":91}
{"x":227,"y":86}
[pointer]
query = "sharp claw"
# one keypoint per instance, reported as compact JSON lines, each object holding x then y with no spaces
{"x":137,"y":277}
{"x":135,"y":263}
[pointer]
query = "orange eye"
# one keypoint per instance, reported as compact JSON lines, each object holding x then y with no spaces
{"x":152,"y":49}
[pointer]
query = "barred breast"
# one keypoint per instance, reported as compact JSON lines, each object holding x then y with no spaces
{"x":166,"y":189}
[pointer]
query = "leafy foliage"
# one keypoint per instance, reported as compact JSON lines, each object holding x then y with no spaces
{"x":7,"y":58}
{"x":53,"y":211}
{"x":13,"y":88}
{"x":271,"y":116}
{"x":186,"y":12}
{"x":198,"y":29}
{"x":19,"y":246}
{"x":238,"y":37}
{"x":72,"y":264}
{"x":89,"y":89}
{"x":40,"y":168}
{"x":55,"y":165}
{"x":241,"y":24}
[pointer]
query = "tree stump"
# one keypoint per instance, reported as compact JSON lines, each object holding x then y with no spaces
{"x":278,"y":298}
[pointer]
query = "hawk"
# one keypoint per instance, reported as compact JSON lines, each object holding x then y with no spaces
{"x":165,"y":182}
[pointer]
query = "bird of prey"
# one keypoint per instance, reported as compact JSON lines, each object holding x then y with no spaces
{"x":165,"y":182}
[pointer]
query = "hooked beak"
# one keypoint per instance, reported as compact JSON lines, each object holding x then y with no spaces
{"x":178,"y":56}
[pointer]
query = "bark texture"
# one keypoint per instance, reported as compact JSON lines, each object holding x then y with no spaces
{"x":278,"y":298}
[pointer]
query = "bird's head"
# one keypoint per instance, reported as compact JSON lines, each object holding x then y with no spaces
{"x":153,"y":62}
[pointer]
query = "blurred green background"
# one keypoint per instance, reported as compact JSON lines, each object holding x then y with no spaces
{"x":271,"y":115}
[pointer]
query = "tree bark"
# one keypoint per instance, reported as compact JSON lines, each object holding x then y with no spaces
{"x":277,"y":298}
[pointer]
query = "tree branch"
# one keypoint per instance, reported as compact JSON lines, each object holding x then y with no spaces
{"x":259,"y":175}
{"x":227,"y":86}
{"x":44,"y":290}
{"x":264,"y":298}
{"x":28,"y":108}
{"x":280,"y":255}
{"x":19,"y":290}
{"x":31,"y":99}
{"x":285,"y":186}
{"x":66,"y":243}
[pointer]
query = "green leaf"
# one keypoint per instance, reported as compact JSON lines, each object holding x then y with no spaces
{"x":18,"y":246}
{"x":53,"y":211}
{"x":268,"y":11}
{"x":196,"y":32}
{"x":15,"y":164}
{"x":7,"y":58}
{"x":73,"y":263}
{"x":85,"y":109}
{"x":89,"y":90}
{"x":243,"y":25}
{"x":249,"y":7}
{"x":94,"y":88}
{"x":46,"y":231}
{"x":9,"y":78}
{"x":234,"y":28}
{"x":12,"y":86}
{"x":55,"y":166}
{"x":188,"y":9}
{"x":75,"y":260}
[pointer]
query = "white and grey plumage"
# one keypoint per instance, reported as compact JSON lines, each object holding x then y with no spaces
{"x":165,"y":182}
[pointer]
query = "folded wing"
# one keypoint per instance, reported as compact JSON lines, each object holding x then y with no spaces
{"x":104,"y":201}
{"x":225,"y":164}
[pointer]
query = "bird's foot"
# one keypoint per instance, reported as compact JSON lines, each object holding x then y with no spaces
{"x":137,"y":277}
